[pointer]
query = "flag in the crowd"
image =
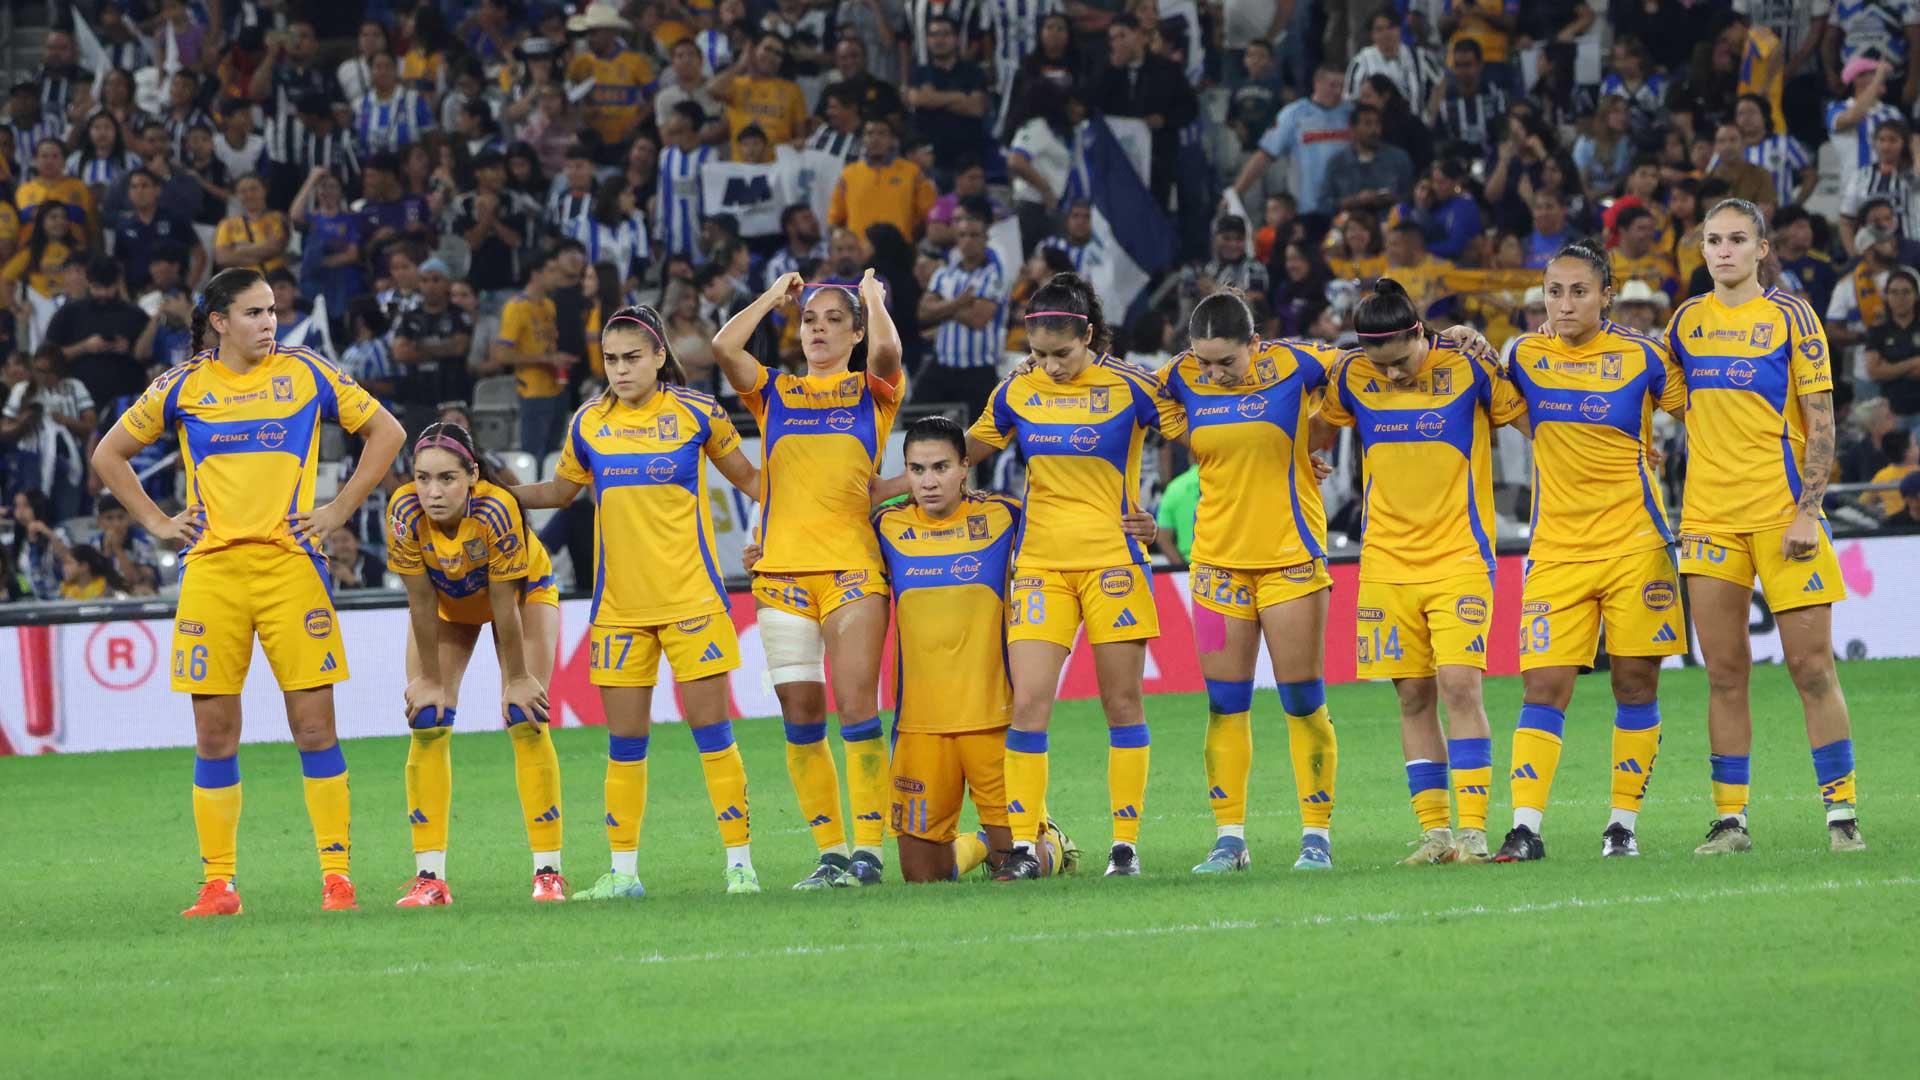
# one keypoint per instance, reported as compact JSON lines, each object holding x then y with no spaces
{"x":93,"y":54}
{"x":311,"y":332}
{"x":1104,"y":175}
{"x":753,"y":194}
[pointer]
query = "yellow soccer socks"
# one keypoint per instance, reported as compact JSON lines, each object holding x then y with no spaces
{"x":1472,"y":764}
{"x":1026,"y":785}
{"x":536,"y":773}
{"x":1536,"y":757}
{"x":216,"y":814}
{"x":1636,"y":744}
{"x":1427,"y":787}
{"x":626,"y":800}
{"x":1229,"y":753}
{"x":328,"y":806}
{"x":430,"y":794}
{"x":817,"y":783}
{"x":1315,"y":752}
{"x":1731,"y":775}
{"x":1833,"y":767}
{"x":726,"y":776}
{"x":969,"y":851}
{"x":1127,"y":753}
{"x":867,"y":780}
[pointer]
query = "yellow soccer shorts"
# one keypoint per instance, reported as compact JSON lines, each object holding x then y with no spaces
{"x":1564,"y":604}
{"x":931,"y":772}
{"x":1786,"y":583}
{"x":1243,"y":594}
{"x":1406,"y":631}
{"x":630,"y":655}
{"x":531,"y":592}
{"x":818,"y":595}
{"x":1049,"y":605}
{"x":228,"y":596}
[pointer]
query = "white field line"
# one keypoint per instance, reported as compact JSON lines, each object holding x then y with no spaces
{"x":1213,"y":926}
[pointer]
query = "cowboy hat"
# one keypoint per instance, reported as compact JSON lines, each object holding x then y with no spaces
{"x":599,"y":16}
{"x":1639,"y":292}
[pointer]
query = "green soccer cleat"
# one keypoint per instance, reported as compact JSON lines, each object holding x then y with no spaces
{"x":612,"y":886}
{"x":741,"y":880}
{"x":1316,"y":853}
{"x":1229,"y":854}
{"x":834,"y":872}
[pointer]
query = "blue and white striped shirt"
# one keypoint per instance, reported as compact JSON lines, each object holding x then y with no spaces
{"x":716,"y":52}
{"x":567,"y":208}
{"x":177,"y":129}
{"x":681,"y":202}
{"x":958,"y":345}
{"x":49,"y":126}
{"x":1856,"y":146}
{"x":370,"y":361}
{"x":1875,"y":29}
{"x":101,"y":171}
{"x":623,"y":245}
{"x":1086,"y":257}
{"x":784,"y":261}
{"x":382,"y":126}
{"x":1646,"y":105}
{"x":1783,"y":156}
{"x":1015,"y":26}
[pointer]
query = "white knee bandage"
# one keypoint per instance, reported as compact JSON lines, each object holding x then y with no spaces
{"x":795,"y":650}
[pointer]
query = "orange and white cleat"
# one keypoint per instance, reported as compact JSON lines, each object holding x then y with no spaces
{"x":336,"y":894}
{"x":217,"y":897}
{"x":549,"y":887}
{"x":426,"y":892}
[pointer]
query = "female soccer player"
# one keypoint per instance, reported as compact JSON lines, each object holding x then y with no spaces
{"x":1425,"y":410}
{"x":1600,"y":542}
{"x":1259,"y":561}
{"x":459,"y":541}
{"x":640,"y":445}
{"x":248,"y":414}
{"x":1760,"y":442}
{"x":1080,"y":416}
{"x":821,"y":584}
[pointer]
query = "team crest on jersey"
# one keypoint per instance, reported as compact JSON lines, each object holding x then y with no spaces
{"x":1369,"y":614}
{"x":1265,"y":371}
{"x":976,"y":526}
{"x":1535,"y":607}
{"x":1303,"y":572}
{"x":319,"y":622}
{"x":1659,"y":595}
{"x":1471,"y":609}
{"x":966,"y":568}
{"x":693,"y":626}
{"x":1610,"y":365}
{"x":669,"y":427}
{"x":1442,"y":382}
{"x":850,"y":385}
{"x":1761,"y":335}
{"x":1116,"y":582}
{"x":190,"y":628}
{"x":476,"y":550}
{"x":847,"y":579}
{"x":1097,"y":400}
{"x":283,"y":388}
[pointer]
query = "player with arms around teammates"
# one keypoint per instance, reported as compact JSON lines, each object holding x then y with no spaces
{"x":1760,"y":433}
{"x":1259,"y":561}
{"x":821,"y":583}
{"x":248,"y":415}
{"x":459,"y":541}
{"x":640,"y":446}
{"x":1425,"y":410}
{"x":1601,"y":543}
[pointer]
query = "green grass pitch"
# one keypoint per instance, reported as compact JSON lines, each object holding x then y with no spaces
{"x":1789,"y":961}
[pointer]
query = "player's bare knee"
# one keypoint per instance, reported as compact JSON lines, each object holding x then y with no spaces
{"x":1552,"y":687}
{"x":1636,"y":682}
{"x":1812,"y":673}
{"x":1727,"y":677}
{"x":1459,"y":690}
{"x":1417,"y":696}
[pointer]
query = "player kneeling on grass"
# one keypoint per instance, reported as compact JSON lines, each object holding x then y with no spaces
{"x":1600,"y":546}
{"x":459,"y":541}
{"x":1425,"y":410}
{"x":641,"y":444}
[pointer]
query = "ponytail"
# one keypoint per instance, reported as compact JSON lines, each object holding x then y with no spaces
{"x":655,"y":327}
{"x":1066,"y":304}
{"x":1223,"y":316}
{"x":219,"y":296}
{"x":1386,"y":314}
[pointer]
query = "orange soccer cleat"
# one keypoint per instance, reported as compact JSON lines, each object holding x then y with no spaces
{"x":549,"y":887}
{"x":217,"y":897}
{"x":336,"y":894}
{"x":426,"y":892}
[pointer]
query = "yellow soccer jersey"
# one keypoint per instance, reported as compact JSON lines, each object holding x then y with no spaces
{"x":821,"y":439}
{"x":69,"y":191}
{"x":490,"y":544}
{"x":530,"y":328}
{"x":1082,"y":442}
{"x":776,"y":104}
{"x":950,"y":586}
{"x":650,"y":488}
{"x":1746,"y":369}
{"x":619,"y":90}
{"x":1240,"y":436}
{"x":1426,"y":451}
{"x":241,"y":229}
{"x":1656,"y":268}
{"x":1594,"y":498}
{"x":250,"y":443}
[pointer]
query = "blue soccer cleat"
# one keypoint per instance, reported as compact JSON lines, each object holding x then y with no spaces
{"x":1316,"y":853}
{"x":1229,"y":854}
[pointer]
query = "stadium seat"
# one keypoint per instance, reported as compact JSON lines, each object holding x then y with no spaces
{"x":522,"y":463}
{"x":496,"y":409}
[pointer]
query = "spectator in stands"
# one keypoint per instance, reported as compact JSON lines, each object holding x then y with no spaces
{"x":256,"y":237}
{"x":1639,"y":306}
{"x":95,"y":333}
{"x":1443,"y":209}
{"x":213,"y":184}
{"x":1908,"y":516}
{"x":238,"y":146}
{"x":839,"y":135}
{"x":1793,"y":245}
{"x":871,"y":92}
{"x":1902,"y":453}
{"x":1891,"y":176}
{"x":755,"y":92}
{"x":1859,"y":299}
{"x":355,"y":74}
{"x":431,"y":343}
{"x":1635,"y":78}
{"x":369,"y":358}
{"x":1729,"y":163}
{"x":1604,"y":153}
{"x":1231,"y":267}
{"x":101,"y":155}
{"x":50,"y":185}
{"x":1414,"y":71}
{"x":30,"y":122}
{"x":947,"y":97}
{"x":802,"y":231}
{"x":86,"y":574}
{"x":1311,"y":131}
{"x":144,"y":226}
{"x":126,"y":547}
{"x":290,"y":74}
{"x":1852,"y":123}
{"x":1789,"y":164}
{"x":685,"y":80}
{"x":526,"y":346}
{"x":167,"y":338}
{"x":1300,"y":288}
{"x":1470,"y":109}
{"x":389,"y":116}
{"x":1143,"y":84}
{"x":388,"y":210}
{"x":348,"y":567}
{"x":1256,"y":98}
{"x":1399,"y":125}
{"x":967,"y":302}
{"x":1369,"y":174}
{"x":1638,"y":257}
{"x":494,"y":222}
{"x":1893,"y":348}
{"x":51,"y":419}
{"x":330,"y":240}
{"x":882,"y":188}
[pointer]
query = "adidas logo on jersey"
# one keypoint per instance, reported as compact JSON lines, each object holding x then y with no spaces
{"x":1372,"y":387}
{"x":712,"y":653}
{"x":209,"y":399}
{"x":1666,"y":634}
{"x":1479,"y":645}
{"x":1813,"y":584}
{"x":1126,"y":619}
{"x":552,"y":814}
{"x":1014,"y":807}
{"x":909,"y":534}
{"x":605,"y":432}
{"x":1542,"y":365}
{"x":1033,"y":399}
{"x":1695,"y":334}
{"x":1631,"y":765}
{"x":328,"y":664}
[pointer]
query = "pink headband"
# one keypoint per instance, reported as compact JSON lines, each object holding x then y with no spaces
{"x":444,"y":442}
{"x":1390,"y":333}
{"x":1055,"y":314}
{"x":634,"y":319}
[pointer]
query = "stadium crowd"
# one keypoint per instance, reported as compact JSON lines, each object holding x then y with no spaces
{"x":450,"y":196}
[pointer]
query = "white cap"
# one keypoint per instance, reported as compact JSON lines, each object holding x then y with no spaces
{"x":1639,"y":292}
{"x":1536,"y":297}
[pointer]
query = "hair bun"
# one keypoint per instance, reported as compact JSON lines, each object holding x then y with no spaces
{"x":1386,"y":286}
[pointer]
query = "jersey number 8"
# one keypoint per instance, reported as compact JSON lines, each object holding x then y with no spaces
{"x":1036,"y":610}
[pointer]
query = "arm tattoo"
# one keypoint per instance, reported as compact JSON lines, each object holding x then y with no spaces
{"x":1817,"y":463}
